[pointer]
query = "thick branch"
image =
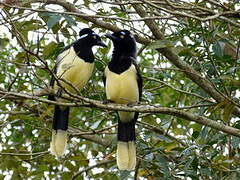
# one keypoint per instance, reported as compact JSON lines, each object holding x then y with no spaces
{"x":167,"y":52}
{"x":136,"y":108}
{"x":194,"y":75}
{"x":24,"y":154}
{"x":93,"y":138}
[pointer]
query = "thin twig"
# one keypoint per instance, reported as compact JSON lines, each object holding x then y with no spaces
{"x":91,"y":167}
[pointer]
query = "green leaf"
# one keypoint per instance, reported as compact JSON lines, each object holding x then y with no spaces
{"x":124,"y":175}
{"x":228,"y":109}
{"x":195,"y":134}
{"x":216,"y":107}
{"x":217,"y":49}
{"x":20,"y":57}
{"x":86,"y":3}
{"x":231,"y":80}
{"x":235,"y":142}
{"x":204,"y":132}
{"x":182,"y":51}
{"x":236,"y":32}
{"x":163,"y":164}
{"x":56,"y":28}
{"x":49,"y":50}
{"x":206,"y":171}
{"x":188,"y":150}
{"x":66,"y":175}
{"x":115,"y":9}
{"x":105,"y":50}
{"x":52,"y":20}
{"x":194,"y":163}
{"x":237,"y":125}
{"x":65,"y":32}
{"x":3,"y":42}
{"x":160,"y":44}
{"x":70,"y":20}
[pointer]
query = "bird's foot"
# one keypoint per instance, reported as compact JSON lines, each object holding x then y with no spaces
{"x":106,"y":101}
{"x":131,"y":104}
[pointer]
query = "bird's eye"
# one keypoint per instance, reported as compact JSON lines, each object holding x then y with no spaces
{"x":121,"y":36}
{"x":94,"y":37}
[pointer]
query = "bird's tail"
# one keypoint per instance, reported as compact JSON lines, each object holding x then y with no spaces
{"x":126,"y":148}
{"x":59,"y":132}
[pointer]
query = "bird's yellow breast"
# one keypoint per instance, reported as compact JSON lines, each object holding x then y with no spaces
{"x":122,"y":88}
{"x":73,"y":70}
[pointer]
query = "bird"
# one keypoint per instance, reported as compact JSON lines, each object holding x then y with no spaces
{"x":72,"y":71}
{"x":123,"y":85}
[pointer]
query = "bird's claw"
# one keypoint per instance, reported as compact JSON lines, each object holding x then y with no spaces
{"x":131,"y":104}
{"x":106,"y":101}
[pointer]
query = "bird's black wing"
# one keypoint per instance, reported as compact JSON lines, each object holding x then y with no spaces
{"x":139,"y":79}
{"x":51,"y":97}
{"x":104,"y":79}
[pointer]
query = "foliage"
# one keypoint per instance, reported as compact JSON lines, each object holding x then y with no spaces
{"x":168,"y":146}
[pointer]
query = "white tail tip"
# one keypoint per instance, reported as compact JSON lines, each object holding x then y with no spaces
{"x":126,"y":155}
{"x":132,"y":155}
{"x":59,"y":142}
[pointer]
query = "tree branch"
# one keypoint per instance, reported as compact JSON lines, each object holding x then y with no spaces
{"x":136,"y":108}
{"x":194,"y":75}
{"x":104,"y":162}
{"x":24,"y":154}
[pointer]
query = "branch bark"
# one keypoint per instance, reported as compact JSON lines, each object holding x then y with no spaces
{"x":136,"y":108}
{"x":168,"y":53}
{"x":192,"y":74}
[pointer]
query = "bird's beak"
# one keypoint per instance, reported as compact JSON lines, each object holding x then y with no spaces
{"x":100,"y":43}
{"x":110,"y":36}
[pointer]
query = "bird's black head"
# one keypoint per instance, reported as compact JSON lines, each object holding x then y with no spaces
{"x":83,"y":46}
{"x":123,"y":41}
{"x":89,"y":38}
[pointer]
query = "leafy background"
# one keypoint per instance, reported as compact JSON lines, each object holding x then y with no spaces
{"x":171,"y":36}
